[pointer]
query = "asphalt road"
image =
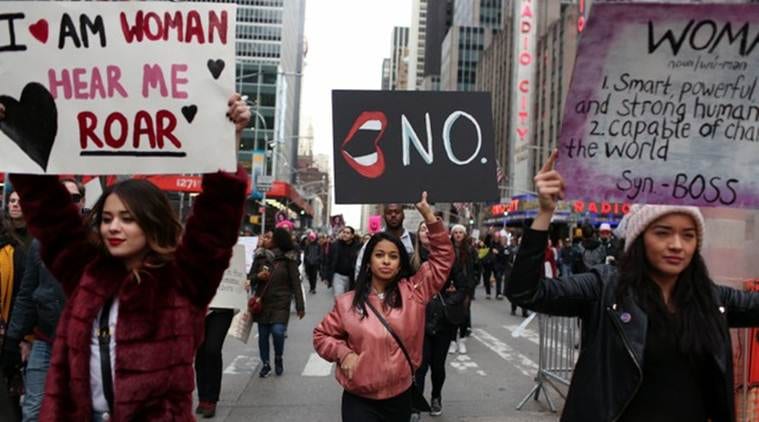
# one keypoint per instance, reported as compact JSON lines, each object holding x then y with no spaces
{"x":483,"y":385}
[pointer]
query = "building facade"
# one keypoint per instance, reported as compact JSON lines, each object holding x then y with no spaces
{"x":399,"y":51}
{"x":494,"y":76}
{"x":269,"y":53}
{"x":557,"y":48}
{"x":417,"y":43}
{"x":385,"y":74}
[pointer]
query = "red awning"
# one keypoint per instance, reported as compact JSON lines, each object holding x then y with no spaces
{"x":284,"y":190}
{"x":193,"y":184}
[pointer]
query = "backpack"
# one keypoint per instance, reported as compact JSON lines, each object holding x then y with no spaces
{"x":584,"y":259}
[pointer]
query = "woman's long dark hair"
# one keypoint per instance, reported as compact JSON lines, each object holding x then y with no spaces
{"x":697,"y":317}
{"x":282,"y":240}
{"x":151,"y":209}
{"x":364,"y":278}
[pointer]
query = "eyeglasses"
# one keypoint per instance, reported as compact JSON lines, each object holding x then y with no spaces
{"x":75,"y":197}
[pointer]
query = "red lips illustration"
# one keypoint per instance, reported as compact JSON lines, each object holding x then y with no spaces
{"x":370,"y":165}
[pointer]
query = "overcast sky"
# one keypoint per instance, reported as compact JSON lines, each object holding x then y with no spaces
{"x":347,"y":40}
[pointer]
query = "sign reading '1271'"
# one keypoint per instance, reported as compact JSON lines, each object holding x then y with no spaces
{"x":391,"y":145}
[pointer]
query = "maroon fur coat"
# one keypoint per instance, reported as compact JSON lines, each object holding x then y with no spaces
{"x":161,"y":317}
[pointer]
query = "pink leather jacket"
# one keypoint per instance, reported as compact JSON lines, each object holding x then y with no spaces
{"x":382,"y":370}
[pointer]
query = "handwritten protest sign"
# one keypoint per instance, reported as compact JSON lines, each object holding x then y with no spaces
{"x":389,"y":146}
{"x":663,"y":106}
{"x":231,"y":293}
{"x":116,"y":88}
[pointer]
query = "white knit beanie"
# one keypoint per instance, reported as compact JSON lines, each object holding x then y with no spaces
{"x":641,"y":216}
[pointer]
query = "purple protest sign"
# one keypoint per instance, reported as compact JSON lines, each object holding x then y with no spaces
{"x":663,"y":106}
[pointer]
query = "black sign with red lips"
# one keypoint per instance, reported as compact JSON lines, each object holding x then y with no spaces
{"x":389,"y":146}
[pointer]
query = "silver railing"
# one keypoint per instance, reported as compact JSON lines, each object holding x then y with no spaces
{"x":559,"y":347}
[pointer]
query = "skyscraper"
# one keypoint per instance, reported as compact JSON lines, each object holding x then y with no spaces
{"x":385,"y":74}
{"x":439,"y":20}
{"x":417,"y":44}
{"x":474,"y":23}
{"x":269,"y":54}
{"x":399,"y":57}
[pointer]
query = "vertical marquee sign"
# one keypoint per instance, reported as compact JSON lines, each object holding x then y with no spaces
{"x":525,"y":39}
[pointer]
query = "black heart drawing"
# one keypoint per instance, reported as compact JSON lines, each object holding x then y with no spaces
{"x":189,"y":112}
{"x":215,"y":66}
{"x":31,"y":122}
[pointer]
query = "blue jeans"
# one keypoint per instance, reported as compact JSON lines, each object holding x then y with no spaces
{"x":278,"y":332}
{"x":34,"y":379}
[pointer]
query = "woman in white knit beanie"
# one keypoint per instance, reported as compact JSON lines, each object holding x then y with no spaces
{"x":655,"y":343}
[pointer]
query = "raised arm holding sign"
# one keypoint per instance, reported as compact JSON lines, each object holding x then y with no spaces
{"x":147,"y":282}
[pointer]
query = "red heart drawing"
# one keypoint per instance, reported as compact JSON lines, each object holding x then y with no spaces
{"x":39,"y":30}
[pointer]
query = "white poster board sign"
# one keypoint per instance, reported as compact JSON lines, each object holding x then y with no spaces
{"x":662,"y":108}
{"x":250,"y":243}
{"x":231,"y":293}
{"x":116,"y":87}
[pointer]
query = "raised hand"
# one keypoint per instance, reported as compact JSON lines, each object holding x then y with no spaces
{"x":425,"y":210}
{"x":549,"y":185}
{"x":238,"y":112}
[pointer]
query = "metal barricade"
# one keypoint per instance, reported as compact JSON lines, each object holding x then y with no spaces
{"x":559,"y":347}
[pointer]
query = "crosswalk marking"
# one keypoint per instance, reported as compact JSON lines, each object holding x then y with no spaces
{"x":526,"y":333}
{"x":317,"y":367}
{"x":524,"y":364}
{"x":243,"y":364}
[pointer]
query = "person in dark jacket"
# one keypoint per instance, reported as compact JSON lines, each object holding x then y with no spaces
{"x":488,"y":262}
{"x":655,"y":339}
{"x":37,"y":309}
{"x":276,"y":286}
{"x":129,"y":269}
{"x":342,"y":261}
{"x":464,"y":273}
{"x":312,"y":259}
{"x":12,"y":263}
{"x":439,"y":331}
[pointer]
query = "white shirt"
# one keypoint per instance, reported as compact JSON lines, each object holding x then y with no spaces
{"x":405,"y":239}
{"x":99,"y":403}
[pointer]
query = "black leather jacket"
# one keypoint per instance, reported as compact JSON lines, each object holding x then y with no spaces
{"x":609,"y":373}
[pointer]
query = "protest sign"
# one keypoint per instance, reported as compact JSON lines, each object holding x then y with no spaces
{"x":250,"y":243}
{"x":231,"y":293}
{"x":389,"y":146}
{"x":116,"y":88}
{"x":662,"y":106}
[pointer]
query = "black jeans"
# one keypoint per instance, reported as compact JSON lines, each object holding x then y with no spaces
{"x":208,"y":364}
{"x":433,"y":357}
{"x":499,"y":275}
{"x":311,"y":272}
{"x":360,"y":409}
{"x":486,"y":273}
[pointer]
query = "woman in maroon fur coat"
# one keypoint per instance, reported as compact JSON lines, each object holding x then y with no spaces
{"x":158,"y":286}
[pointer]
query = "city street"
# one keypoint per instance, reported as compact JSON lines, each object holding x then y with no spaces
{"x":483,"y":385}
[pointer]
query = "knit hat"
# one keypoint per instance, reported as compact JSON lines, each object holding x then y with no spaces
{"x":605,"y":227}
{"x":641,"y":216}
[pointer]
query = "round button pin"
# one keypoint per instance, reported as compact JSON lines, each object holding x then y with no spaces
{"x":625,"y":317}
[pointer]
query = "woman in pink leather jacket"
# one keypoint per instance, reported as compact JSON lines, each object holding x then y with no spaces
{"x":373,"y":369}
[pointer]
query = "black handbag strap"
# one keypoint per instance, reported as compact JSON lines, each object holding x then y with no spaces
{"x":104,"y":338}
{"x":395,"y":337}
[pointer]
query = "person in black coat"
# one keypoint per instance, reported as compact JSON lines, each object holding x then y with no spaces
{"x":342,"y":261}
{"x":655,"y":339}
{"x":312,"y":259}
{"x":443,"y":314}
